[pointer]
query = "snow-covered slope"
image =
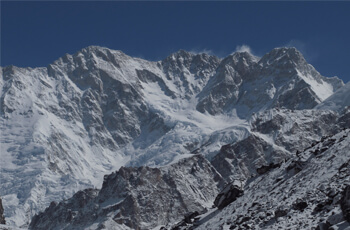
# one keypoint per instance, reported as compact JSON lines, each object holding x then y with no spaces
{"x":338,"y":101}
{"x":305,"y":192}
{"x":63,"y":127}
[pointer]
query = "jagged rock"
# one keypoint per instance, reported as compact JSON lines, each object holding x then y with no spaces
{"x":296,"y":166}
{"x":2,"y":218}
{"x":243,"y":158}
{"x":323,"y":226}
{"x":315,"y":190}
{"x":299,"y":205}
{"x":229,"y":194}
{"x":280,"y":212}
{"x":345,"y":203}
{"x":265,"y":168}
{"x":335,"y":219}
{"x":190,"y":216}
{"x":136,"y":197}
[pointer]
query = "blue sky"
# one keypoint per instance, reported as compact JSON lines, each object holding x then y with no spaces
{"x":37,"y":33}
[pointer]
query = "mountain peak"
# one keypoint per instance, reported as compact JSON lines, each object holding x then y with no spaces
{"x":283,"y":57}
{"x":100,"y":49}
{"x":181,"y":54}
{"x":283,"y":54}
{"x":244,"y":56}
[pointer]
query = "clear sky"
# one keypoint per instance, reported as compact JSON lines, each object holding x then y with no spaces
{"x":37,"y":33}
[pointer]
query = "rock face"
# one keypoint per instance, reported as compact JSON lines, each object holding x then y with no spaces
{"x":139,"y":198}
{"x":228,"y":195}
{"x":276,"y":135}
{"x":265,"y":168}
{"x":345,"y":203}
{"x":2,"y":218}
{"x":280,"y":79}
{"x":88,"y":114}
{"x":242,"y":159}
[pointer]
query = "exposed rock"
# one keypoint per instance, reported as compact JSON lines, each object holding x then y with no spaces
{"x":2,"y":218}
{"x":345,"y":203}
{"x":280,"y":212}
{"x":243,"y":158}
{"x":300,"y":205}
{"x":296,"y":166}
{"x":312,"y":192}
{"x":136,"y":197}
{"x":323,"y":226}
{"x":265,"y":168}
{"x":190,"y":216}
{"x":335,"y":219}
{"x":229,"y":194}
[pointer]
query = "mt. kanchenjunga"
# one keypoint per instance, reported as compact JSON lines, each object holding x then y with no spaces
{"x":86,"y":115}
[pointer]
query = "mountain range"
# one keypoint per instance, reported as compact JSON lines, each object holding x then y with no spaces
{"x":102,"y":140}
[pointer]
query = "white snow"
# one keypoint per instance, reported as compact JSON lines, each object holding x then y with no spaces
{"x":339,"y":100}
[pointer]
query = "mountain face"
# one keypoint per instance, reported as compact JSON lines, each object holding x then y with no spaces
{"x":91,"y":113}
{"x":281,"y":78}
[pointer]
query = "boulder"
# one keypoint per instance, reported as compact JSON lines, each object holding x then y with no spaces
{"x":265,"y":168}
{"x":229,"y":194}
{"x":345,"y":203}
{"x":300,"y":205}
{"x":2,"y":218}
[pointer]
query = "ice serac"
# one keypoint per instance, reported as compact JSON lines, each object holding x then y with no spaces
{"x":137,"y":198}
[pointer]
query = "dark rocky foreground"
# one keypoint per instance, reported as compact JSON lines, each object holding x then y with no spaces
{"x":139,"y":198}
{"x":2,"y":218}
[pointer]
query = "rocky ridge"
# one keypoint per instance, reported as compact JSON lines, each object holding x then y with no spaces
{"x":308,"y":191}
{"x":137,"y":198}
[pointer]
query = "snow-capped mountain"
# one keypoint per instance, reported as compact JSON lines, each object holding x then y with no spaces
{"x":88,"y":114}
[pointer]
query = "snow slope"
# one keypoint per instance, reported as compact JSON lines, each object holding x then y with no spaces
{"x":338,"y":101}
{"x":303,"y":193}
